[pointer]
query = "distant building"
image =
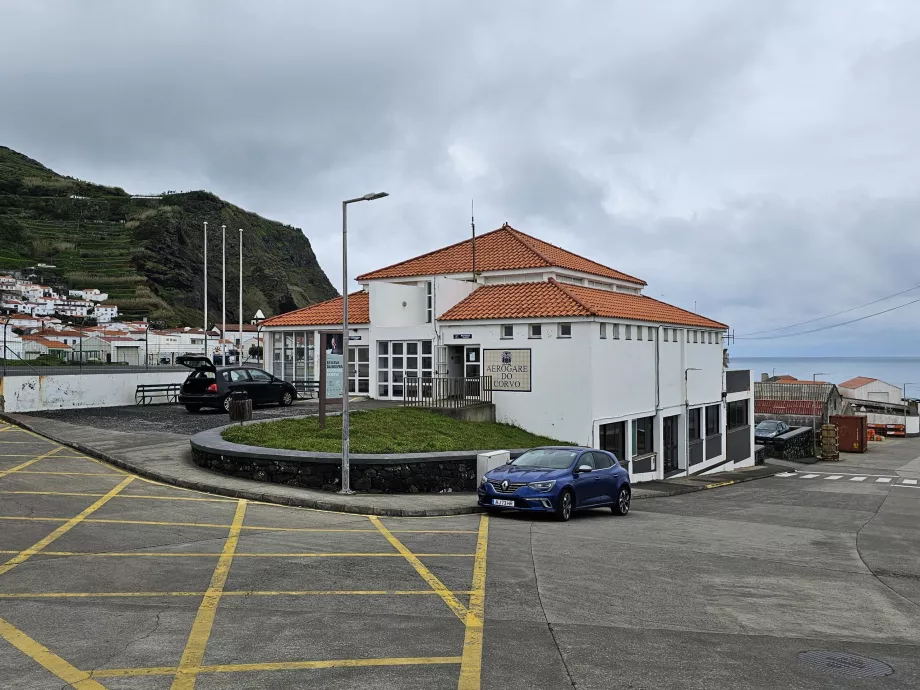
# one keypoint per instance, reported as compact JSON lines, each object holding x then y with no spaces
{"x":865,"y":388}
{"x":91,"y":294}
{"x":798,"y":403}
{"x":104,"y":313}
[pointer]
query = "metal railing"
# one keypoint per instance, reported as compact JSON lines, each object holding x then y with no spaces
{"x":443,"y":391}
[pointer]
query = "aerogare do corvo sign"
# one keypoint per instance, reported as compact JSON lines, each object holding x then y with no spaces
{"x":509,"y":369}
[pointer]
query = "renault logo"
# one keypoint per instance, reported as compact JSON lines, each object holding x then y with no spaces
{"x":505,"y":485}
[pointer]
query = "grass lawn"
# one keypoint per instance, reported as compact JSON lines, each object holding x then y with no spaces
{"x":390,"y":430}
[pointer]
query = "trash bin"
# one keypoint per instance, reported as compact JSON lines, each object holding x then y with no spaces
{"x":240,"y":407}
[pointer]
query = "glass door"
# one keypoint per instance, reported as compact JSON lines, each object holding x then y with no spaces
{"x":670,"y":444}
{"x":359,"y":369}
{"x":472,"y":368}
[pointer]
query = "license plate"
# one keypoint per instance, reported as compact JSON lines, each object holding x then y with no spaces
{"x":503,"y":502}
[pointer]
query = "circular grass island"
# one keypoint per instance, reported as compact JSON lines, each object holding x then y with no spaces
{"x":392,"y":450}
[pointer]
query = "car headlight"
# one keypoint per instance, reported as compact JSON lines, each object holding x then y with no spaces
{"x":483,"y":480}
{"x":542,"y":486}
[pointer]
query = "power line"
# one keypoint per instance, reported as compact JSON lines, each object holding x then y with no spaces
{"x":821,"y":318}
{"x":825,"y":328}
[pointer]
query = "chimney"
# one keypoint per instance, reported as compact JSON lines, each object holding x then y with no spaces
{"x":764,"y":377}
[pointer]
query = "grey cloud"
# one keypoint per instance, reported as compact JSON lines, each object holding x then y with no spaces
{"x":758,"y":158}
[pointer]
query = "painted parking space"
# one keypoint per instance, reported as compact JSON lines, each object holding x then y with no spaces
{"x":111,"y":580}
{"x":867,"y":479}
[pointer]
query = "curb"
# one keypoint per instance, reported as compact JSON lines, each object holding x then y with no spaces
{"x":321,"y":504}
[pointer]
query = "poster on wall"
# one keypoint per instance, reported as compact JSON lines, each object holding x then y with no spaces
{"x":509,"y":369}
{"x":334,"y":378}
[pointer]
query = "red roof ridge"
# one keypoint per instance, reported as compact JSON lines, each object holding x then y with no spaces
{"x":572,"y":297}
{"x":519,"y":236}
{"x":857,"y":382}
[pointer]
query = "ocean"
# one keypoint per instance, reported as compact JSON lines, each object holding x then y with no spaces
{"x":894,"y":370}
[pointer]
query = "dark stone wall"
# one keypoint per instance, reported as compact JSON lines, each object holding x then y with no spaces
{"x":409,"y":478}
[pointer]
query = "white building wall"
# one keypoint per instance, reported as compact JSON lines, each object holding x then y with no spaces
{"x":393,"y":305}
{"x":559,"y":404}
{"x":70,"y":391}
{"x":449,"y":292}
{"x":876,"y":390}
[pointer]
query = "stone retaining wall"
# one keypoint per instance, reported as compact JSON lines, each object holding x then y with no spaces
{"x":433,"y":476}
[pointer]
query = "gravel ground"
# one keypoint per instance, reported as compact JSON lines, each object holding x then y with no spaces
{"x":176,"y":419}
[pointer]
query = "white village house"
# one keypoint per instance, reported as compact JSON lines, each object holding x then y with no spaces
{"x":574,"y":350}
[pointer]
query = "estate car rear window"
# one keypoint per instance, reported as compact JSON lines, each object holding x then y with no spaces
{"x":548,"y":458}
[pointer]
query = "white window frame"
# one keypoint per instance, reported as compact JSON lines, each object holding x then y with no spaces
{"x":616,"y":331}
{"x":530,"y":331}
{"x":565,"y":325}
{"x":639,"y":330}
{"x":603,"y":330}
{"x":628,"y":332}
{"x":666,"y":335}
{"x":505,"y":336}
{"x":696,"y":336}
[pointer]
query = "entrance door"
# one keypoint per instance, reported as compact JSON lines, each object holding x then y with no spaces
{"x":472,"y":368}
{"x":670,"y":444}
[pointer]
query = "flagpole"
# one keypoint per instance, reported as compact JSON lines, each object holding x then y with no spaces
{"x":223,"y":332}
{"x":240,"y":313}
{"x":206,"y":288}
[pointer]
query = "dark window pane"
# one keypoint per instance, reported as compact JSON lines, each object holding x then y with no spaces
{"x":712,"y":420}
{"x":382,"y":347}
{"x":411,"y":348}
{"x":397,"y":348}
{"x":411,"y":362}
{"x":364,"y":386}
{"x":694,"y":424}
{"x":426,"y":347}
{"x":643,"y":435}
{"x":397,"y":362}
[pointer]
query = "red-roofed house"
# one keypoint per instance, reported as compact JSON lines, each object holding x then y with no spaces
{"x":35,"y":346}
{"x":864,"y":388}
{"x":572,"y":349}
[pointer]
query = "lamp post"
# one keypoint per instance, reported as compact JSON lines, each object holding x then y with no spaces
{"x":205,"y":289}
{"x":904,"y":389}
{"x":223,"y":302}
{"x":814,"y":441}
{"x":239,"y":348}
{"x":346,"y":482}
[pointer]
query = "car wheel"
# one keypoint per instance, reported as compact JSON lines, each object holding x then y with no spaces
{"x":623,"y":500}
{"x":287,"y":399}
{"x":565,"y":506}
{"x":226,"y":404}
{"x":193,"y":408}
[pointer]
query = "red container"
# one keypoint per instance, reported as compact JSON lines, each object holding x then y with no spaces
{"x":852,"y":433}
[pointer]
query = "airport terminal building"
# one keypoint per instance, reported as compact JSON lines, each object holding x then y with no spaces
{"x":573,"y":350}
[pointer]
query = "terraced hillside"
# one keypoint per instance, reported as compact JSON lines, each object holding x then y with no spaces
{"x":147,"y":253}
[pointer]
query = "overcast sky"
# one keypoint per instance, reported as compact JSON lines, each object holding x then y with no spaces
{"x":760,"y":159}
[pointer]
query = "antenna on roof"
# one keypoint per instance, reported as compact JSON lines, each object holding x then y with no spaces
{"x":473,"y":226}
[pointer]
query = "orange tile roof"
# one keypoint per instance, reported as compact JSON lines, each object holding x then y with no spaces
{"x":326,"y":313}
{"x":552,"y":299}
{"x":500,"y":250}
{"x":857,"y":382}
{"x":50,"y":344}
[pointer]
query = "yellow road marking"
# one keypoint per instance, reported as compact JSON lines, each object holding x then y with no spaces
{"x":245,"y":527}
{"x":718,"y":484}
{"x":471,"y":666}
{"x":278,"y":666}
{"x":204,"y":620}
{"x":73,"y":474}
{"x":63,"y":529}
{"x":240,"y":593}
{"x":155,"y":498}
{"x":190,"y":554}
{"x":47,"y":659}
{"x":34,"y":459}
{"x":452,"y":602}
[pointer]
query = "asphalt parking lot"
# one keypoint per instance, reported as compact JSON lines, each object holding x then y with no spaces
{"x":111,"y":581}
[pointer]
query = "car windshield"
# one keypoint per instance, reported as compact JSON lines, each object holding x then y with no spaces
{"x":767,"y":426}
{"x":549,"y":458}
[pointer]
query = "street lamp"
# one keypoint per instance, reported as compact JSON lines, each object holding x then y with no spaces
{"x":904,"y":389}
{"x":814,"y":441}
{"x":346,"y":429}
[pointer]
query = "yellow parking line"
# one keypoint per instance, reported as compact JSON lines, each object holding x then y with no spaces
{"x":452,"y":602}
{"x":471,"y":666}
{"x":155,"y":498}
{"x":47,"y":659}
{"x":190,"y":554}
{"x":73,"y":474}
{"x":34,"y":459}
{"x":240,"y":593}
{"x":63,"y":529}
{"x":245,"y":527}
{"x":278,"y":666}
{"x":201,"y":629}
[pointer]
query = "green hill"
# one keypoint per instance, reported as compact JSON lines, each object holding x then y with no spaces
{"x":147,"y":253}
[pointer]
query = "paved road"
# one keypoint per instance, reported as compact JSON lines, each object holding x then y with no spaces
{"x":108,"y":580}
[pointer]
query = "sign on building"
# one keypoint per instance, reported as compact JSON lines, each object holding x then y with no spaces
{"x":509,"y":369}
{"x":334,"y":377}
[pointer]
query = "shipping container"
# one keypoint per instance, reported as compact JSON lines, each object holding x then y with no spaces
{"x":853,"y":433}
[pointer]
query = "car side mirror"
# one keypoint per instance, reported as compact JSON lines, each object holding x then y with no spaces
{"x":583,"y":468}
{"x":509,"y":460}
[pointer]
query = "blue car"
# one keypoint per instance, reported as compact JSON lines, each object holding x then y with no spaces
{"x":558,"y":480}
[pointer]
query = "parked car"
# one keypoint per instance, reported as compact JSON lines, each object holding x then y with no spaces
{"x":558,"y":480}
{"x":769,"y":429}
{"x":210,"y":386}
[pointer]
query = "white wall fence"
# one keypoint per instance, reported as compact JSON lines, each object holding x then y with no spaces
{"x":70,"y":391}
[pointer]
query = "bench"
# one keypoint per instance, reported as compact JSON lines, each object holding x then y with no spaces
{"x":307,"y":387}
{"x":149,"y":393}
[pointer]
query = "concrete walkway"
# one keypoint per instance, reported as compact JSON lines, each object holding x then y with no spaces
{"x":166,"y":457}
